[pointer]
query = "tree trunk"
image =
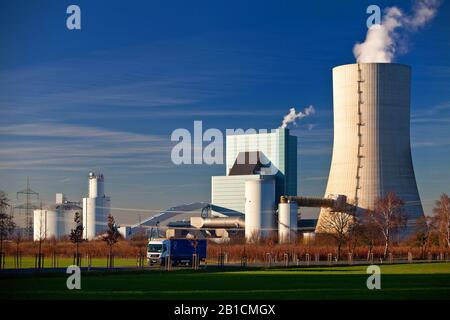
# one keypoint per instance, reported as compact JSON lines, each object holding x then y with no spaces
{"x":339,"y":251}
{"x":77,"y":253}
{"x":386,"y":248}
{"x":448,"y":234}
{"x":110,"y":257}
{"x":1,"y":252}
{"x":370,"y":250}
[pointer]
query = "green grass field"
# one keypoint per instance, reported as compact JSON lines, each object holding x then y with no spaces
{"x":409,"y":281}
{"x":28,"y":262}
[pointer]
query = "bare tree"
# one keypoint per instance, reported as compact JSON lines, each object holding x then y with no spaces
{"x":421,"y":236}
{"x":76,"y":235}
{"x":441,"y":219}
{"x":111,"y":237}
{"x":18,"y":239}
{"x":7,"y":224}
{"x":366,"y":231}
{"x":338,"y":225}
{"x":388,"y":216}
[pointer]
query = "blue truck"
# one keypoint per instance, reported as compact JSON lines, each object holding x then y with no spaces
{"x":177,"y":251}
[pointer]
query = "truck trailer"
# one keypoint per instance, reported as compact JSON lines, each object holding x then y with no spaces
{"x":177,"y":251}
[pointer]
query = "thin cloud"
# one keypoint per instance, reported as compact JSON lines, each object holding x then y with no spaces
{"x":79,"y":148}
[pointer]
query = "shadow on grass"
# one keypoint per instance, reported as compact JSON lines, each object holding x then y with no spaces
{"x":219,"y":284}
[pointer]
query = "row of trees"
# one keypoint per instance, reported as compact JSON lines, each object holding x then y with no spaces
{"x":382,"y":224}
{"x":7,"y":227}
{"x":386,"y":221}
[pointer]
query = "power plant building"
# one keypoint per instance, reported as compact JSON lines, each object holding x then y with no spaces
{"x":260,"y":168}
{"x":96,"y":207}
{"x":249,"y":157}
{"x":371,"y":148}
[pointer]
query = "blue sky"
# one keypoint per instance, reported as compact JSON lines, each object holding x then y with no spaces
{"x":107,"y":97}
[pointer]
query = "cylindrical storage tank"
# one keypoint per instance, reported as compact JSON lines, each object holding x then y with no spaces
{"x":68,"y":221}
{"x":38,"y":225}
{"x":259,"y":208}
{"x":45,"y":224}
{"x":89,"y":218}
{"x":287,"y":222}
{"x":371,"y":146}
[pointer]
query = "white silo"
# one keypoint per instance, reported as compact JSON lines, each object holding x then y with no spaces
{"x":67,"y":213}
{"x":371,"y":147}
{"x":259,"y":208}
{"x":95,"y":207}
{"x":287,"y":222}
{"x":45,"y":224}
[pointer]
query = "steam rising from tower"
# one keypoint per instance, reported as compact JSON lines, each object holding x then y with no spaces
{"x":294,"y":115}
{"x":384,"y":41}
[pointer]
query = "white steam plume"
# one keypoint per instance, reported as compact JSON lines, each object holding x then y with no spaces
{"x":383,"y":39}
{"x":294,"y":115}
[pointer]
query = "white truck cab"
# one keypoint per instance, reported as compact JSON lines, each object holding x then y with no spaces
{"x":157,"y":250}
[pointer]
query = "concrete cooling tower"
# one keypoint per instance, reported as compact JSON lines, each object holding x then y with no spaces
{"x":371,"y":147}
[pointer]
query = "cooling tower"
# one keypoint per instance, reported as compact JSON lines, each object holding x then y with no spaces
{"x":371,"y":147}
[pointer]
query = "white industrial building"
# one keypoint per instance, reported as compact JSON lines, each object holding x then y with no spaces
{"x":371,"y":147}
{"x":56,"y":220}
{"x":248,"y":156}
{"x":96,"y":208}
{"x":260,"y":168}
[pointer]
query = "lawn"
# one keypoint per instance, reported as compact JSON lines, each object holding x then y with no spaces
{"x":408,"y":281}
{"x":29,"y":262}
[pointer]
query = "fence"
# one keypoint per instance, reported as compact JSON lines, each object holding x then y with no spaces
{"x":88,"y":260}
{"x":221,"y":260}
{"x":195,"y":261}
{"x":168,"y":263}
{"x":244,"y":261}
{"x":268,"y":259}
{"x":350,"y":258}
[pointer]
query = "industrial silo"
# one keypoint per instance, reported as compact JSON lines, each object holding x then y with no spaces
{"x":259,"y":208}
{"x":95,"y":207}
{"x":45,"y":224}
{"x":67,"y":218}
{"x":371,"y":147}
{"x":287,"y":222}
